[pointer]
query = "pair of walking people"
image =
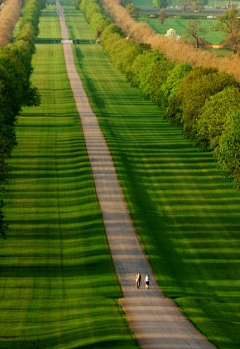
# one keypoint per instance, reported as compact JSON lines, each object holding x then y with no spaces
{"x":138,"y":280}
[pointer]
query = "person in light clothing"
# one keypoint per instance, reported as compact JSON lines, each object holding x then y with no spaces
{"x":147,"y":280}
{"x":138,"y":279}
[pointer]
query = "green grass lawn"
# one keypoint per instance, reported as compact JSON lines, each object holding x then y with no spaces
{"x":58,"y":287}
{"x":180,"y":25}
{"x":185,"y":213}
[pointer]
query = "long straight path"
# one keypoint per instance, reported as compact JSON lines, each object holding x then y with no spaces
{"x":155,"y":321}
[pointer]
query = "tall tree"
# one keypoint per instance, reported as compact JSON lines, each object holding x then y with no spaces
{"x":194,"y":32}
{"x":132,"y":10}
{"x":229,"y":24}
{"x":162,"y":16}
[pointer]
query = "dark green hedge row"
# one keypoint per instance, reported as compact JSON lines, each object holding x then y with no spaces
{"x":16,"y":89}
{"x":204,"y":101}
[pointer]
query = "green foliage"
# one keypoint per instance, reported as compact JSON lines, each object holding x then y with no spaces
{"x":123,"y":52}
{"x":195,"y":89}
{"x":227,"y":153}
{"x":153,"y":76}
{"x":98,"y":23}
{"x":110,"y":35}
{"x":160,"y":3}
{"x":214,"y":116}
{"x":132,"y":10}
{"x":16,"y":89}
{"x":139,"y":64}
{"x":31,"y":13}
{"x":169,"y":102}
{"x":228,"y":22}
{"x":194,"y":33}
{"x":89,"y":7}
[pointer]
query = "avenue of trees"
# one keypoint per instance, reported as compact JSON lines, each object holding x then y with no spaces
{"x":16,"y":89}
{"x":201,"y":99}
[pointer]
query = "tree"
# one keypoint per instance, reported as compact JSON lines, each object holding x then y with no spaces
{"x":171,"y":33}
{"x":132,"y":10}
{"x":197,"y":5}
{"x":160,"y":3}
{"x":194,"y":31}
{"x":227,"y":153}
{"x":140,"y":63}
{"x":153,"y":76}
{"x":169,"y":102}
{"x":184,"y":4}
{"x":194,"y":5}
{"x":229,"y":24}
{"x":232,"y":42}
{"x":162,"y":16}
{"x":214,"y":116}
{"x":196,"y":87}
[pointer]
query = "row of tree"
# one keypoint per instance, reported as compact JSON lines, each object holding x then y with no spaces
{"x":176,"y":50}
{"x":9,"y":15}
{"x":16,"y":89}
{"x":204,"y":101}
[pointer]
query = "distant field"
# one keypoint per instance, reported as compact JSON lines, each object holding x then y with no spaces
{"x":211,"y":5}
{"x":180,"y":25}
{"x":186,"y":215}
{"x":58,"y":285}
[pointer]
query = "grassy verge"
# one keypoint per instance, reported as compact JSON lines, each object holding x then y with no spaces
{"x":58,"y":287}
{"x":185,"y":214}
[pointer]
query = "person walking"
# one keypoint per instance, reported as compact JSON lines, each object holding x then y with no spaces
{"x":138,"y":279}
{"x":147,"y":280}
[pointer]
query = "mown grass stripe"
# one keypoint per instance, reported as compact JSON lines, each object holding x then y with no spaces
{"x":176,"y":197}
{"x":58,"y":286}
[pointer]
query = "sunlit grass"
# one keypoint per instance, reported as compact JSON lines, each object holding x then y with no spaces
{"x":185,"y":213}
{"x":58,"y":286}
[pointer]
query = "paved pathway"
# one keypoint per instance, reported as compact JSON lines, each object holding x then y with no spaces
{"x":155,"y":320}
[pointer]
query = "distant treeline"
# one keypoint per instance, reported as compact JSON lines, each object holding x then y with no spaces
{"x":16,"y":89}
{"x":203,"y":100}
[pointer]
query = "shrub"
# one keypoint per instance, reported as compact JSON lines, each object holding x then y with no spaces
{"x":195,"y":89}
{"x":153,"y":76}
{"x":169,"y":102}
{"x":214,"y":117}
{"x":227,"y":153}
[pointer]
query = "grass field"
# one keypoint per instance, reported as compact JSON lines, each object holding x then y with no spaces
{"x":58,"y":286}
{"x":180,"y":25}
{"x":185,"y":214}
